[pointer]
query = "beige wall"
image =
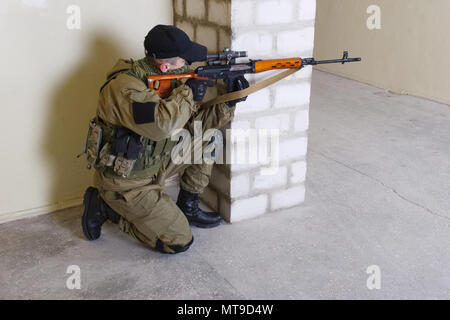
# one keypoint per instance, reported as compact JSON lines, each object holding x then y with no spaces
{"x":409,"y":54}
{"x":49,"y":83}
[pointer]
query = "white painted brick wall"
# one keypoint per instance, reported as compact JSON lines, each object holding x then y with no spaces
{"x":280,"y":121}
{"x":304,"y":73}
{"x":298,"y":172}
{"x":234,"y":167}
{"x":293,"y":148}
{"x":284,"y":105}
{"x":240,"y":185}
{"x":307,"y":10}
{"x":240,"y":150}
{"x":288,"y":198}
{"x":301,"y":120}
{"x":240,"y":124}
{"x":271,"y":181}
{"x":274,"y":12}
{"x":260,"y":40}
{"x":242,"y":13}
{"x":296,"y":42}
{"x":249,"y":208}
{"x":256,"y":102}
{"x":291,"y":95}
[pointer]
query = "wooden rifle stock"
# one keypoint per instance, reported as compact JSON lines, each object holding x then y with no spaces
{"x":161,"y":83}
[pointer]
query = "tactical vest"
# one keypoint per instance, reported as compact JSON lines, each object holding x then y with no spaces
{"x":134,"y":157}
{"x":149,"y":159}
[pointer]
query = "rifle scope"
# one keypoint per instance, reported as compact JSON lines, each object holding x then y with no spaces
{"x":227,"y":54}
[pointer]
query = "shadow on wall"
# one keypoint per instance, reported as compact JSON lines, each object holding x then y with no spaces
{"x":73,"y":104}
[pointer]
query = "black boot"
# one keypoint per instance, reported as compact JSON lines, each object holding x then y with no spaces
{"x":188,"y":203}
{"x":96,"y":212}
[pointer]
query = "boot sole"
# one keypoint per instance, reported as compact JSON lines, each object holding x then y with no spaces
{"x":203,"y":225}
{"x":86,"y":203}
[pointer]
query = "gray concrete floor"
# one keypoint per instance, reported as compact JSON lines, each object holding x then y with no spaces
{"x":377,"y":186}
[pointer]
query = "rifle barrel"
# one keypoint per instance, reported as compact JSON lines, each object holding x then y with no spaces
{"x":312,"y":61}
{"x":338,"y":60}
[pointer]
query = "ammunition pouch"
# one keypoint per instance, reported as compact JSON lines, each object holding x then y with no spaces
{"x":120,"y":153}
{"x":93,"y":142}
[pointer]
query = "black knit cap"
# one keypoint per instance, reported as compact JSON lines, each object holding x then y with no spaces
{"x":165,"y":41}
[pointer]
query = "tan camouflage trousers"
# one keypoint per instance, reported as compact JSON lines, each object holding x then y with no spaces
{"x":149,"y":215}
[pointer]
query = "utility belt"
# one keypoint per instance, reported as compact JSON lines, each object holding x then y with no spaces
{"x":119,"y":152}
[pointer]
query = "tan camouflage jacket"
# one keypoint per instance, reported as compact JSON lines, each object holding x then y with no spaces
{"x":127,"y":102}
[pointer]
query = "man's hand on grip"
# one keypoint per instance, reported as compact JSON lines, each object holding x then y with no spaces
{"x":239,"y":83}
{"x":199,"y":88}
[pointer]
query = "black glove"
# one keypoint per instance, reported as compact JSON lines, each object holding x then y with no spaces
{"x":237,"y":84}
{"x":199,"y":87}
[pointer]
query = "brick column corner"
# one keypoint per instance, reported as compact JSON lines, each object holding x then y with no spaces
{"x":266,"y":29}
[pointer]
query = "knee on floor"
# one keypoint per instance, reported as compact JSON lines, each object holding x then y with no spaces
{"x":172,"y":249}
